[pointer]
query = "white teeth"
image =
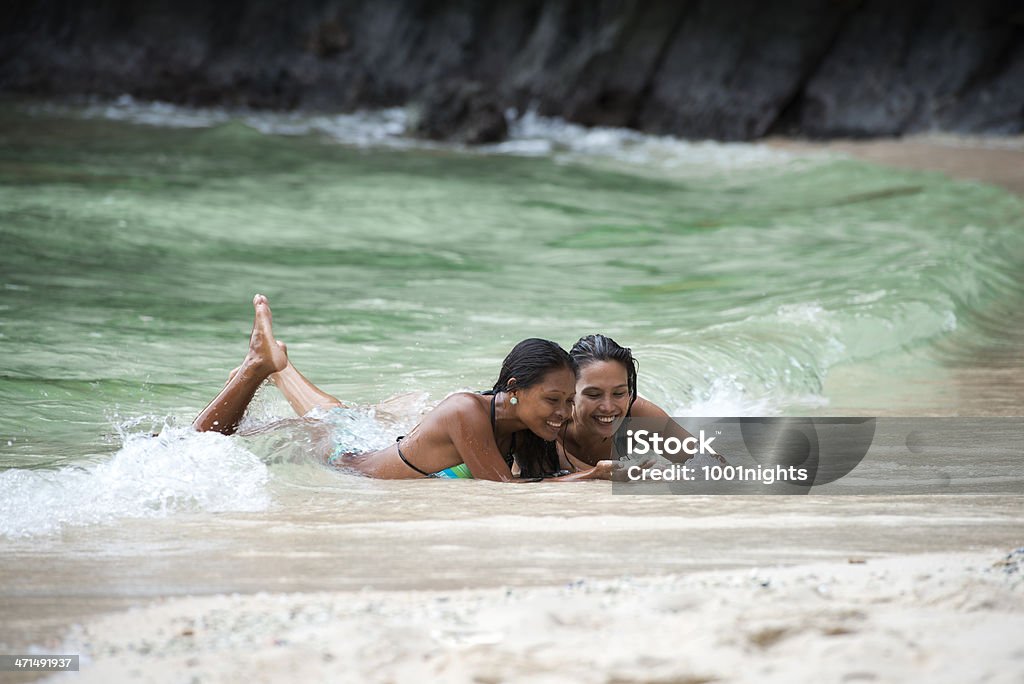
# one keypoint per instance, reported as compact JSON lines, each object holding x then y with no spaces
{"x":603,"y":419}
{"x":554,"y":425}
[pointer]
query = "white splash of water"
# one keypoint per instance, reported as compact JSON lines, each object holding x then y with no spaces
{"x":149,"y":477}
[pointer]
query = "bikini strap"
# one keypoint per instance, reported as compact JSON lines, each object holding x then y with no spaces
{"x":510,"y":456}
{"x":406,"y":461}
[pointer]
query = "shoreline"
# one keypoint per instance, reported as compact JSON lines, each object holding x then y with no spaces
{"x":936,"y":617}
{"x":992,"y":160}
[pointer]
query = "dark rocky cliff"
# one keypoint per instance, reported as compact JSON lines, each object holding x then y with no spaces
{"x":731,"y":69}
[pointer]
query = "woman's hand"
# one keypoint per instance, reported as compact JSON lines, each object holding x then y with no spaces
{"x":604,"y":470}
{"x":616,"y":470}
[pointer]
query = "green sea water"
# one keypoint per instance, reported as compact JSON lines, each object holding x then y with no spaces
{"x":746,"y":281}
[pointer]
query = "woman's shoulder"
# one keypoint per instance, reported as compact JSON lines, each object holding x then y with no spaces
{"x":458,"y":413}
{"x":465,"y":402}
{"x":645,"y":408}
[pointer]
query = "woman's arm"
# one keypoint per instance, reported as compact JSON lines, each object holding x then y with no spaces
{"x":602,"y":471}
{"x":469,"y":428}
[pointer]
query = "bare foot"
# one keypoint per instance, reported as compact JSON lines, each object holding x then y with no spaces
{"x":276,"y":374}
{"x":266,"y":355}
{"x":234,"y":371}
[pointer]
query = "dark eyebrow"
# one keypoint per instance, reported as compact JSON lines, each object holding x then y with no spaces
{"x":592,"y":387}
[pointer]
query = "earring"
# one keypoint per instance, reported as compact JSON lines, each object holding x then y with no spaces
{"x":513,"y":401}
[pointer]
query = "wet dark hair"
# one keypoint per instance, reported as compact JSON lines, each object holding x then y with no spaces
{"x":528,"y":362}
{"x":593,"y":348}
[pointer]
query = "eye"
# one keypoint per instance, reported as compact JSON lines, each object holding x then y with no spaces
{"x":620,"y":394}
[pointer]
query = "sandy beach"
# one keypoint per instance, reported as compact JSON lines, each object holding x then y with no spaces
{"x":934,"y":618}
{"x":996,"y":161}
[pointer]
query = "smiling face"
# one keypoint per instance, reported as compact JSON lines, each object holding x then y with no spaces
{"x":602,"y":397}
{"x":546,"y":405}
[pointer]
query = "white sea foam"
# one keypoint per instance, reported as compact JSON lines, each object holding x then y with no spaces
{"x":149,"y":477}
{"x":539,"y":135}
{"x":529,"y":135}
{"x":730,"y":396}
{"x":125,"y":108}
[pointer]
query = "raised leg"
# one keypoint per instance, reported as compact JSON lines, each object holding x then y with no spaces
{"x":302,"y":394}
{"x":266,"y":356}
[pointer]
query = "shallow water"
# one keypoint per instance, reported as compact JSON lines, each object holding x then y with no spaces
{"x":748,"y":281}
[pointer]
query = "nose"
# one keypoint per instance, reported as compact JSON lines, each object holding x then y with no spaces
{"x":606,"y":405}
{"x":564,"y":411}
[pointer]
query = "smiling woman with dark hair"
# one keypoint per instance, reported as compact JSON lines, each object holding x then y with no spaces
{"x":606,"y":380}
{"x":466,"y":435}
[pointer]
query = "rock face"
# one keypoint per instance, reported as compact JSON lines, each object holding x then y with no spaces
{"x":725,"y":69}
{"x":461,"y":112}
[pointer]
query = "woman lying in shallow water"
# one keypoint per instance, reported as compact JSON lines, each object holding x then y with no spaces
{"x":466,"y":435}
